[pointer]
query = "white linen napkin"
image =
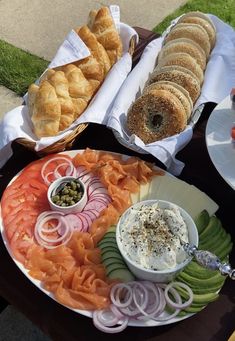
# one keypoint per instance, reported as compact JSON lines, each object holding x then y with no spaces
{"x":17,"y":124}
{"x":219,"y":79}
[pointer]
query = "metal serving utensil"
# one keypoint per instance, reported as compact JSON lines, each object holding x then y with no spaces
{"x":208,"y":260}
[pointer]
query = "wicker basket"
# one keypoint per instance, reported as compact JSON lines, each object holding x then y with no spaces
{"x":67,"y":142}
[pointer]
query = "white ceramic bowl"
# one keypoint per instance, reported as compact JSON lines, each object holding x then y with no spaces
{"x":78,"y":207}
{"x":138,"y":270}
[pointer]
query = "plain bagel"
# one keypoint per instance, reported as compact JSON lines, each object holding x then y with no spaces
{"x":190,"y":31}
{"x":184,"y":60}
{"x":178,"y":75}
{"x":176,"y":90}
{"x":186,"y":46}
{"x":156,"y":115}
{"x":203,"y":20}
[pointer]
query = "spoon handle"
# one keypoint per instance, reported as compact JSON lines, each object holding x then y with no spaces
{"x":209,"y":260}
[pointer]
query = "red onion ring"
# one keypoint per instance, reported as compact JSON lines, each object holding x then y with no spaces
{"x":70,"y":171}
{"x":62,"y":227}
{"x":116,"y":292}
{"x":100,"y":326}
{"x":178,"y":305}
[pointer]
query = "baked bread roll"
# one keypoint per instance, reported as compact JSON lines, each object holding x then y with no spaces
{"x":193,"y":32}
{"x":178,"y":75}
{"x":92,"y":70}
{"x":80,"y":90}
{"x":97,"y":50}
{"x":156,"y":115}
{"x":32,"y":92}
{"x":203,"y":20}
{"x":61,"y":85}
{"x":177,"y":91}
{"x":46,"y":111}
{"x":186,"y":46}
{"x":184,"y":60}
{"x":102,"y":25}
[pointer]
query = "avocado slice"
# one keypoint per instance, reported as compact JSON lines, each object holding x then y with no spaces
{"x":212,"y":227}
{"x":202,"y":220}
{"x":199,"y":282}
{"x":194,"y":269}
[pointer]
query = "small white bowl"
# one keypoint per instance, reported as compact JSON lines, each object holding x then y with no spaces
{"x":78,"y":207}
{"x":161,"y":276}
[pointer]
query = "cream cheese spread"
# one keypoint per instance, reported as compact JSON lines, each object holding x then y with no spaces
{"x":151,"y":236}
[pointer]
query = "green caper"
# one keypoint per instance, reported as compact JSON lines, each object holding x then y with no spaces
{"x":65,"y":191}
{"x":72,"y":202}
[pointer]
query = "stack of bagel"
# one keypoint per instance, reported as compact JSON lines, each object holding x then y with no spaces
{"x":166,"y":104}
{"x":64,"y":92}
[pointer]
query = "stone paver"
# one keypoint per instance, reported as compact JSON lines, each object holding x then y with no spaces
{"x":40,"y":26}
{"x":8,"y":100}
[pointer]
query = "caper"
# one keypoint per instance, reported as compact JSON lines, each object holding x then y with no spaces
{"x":55,"y":198}
{"x":72,"y":202}
{"x":65,"y":191}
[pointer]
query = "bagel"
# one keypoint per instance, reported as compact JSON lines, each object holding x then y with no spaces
{"x":186,"y":46}
{"x":210,"y":29}
{"x":178,"y":75}
{"x":193,"y":32}
{"x":156,"y":115}
{"x":185,"y":60}
{"x":176,"y":90}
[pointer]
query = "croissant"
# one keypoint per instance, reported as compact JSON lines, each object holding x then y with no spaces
{"x":97,"y":50}
{"x":102,"y":25}
{"x":58,"y":80}
{"x":80,"y":90}
{"x":64,"y":92}
{"x":46,"y":111}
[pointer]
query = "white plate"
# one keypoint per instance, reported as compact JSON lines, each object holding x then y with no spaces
{"x":220,"y":146}
{"x":168,"y":185}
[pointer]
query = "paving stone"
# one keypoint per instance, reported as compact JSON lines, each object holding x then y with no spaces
{"x":44,"y":25}
{"x":8,"y":100}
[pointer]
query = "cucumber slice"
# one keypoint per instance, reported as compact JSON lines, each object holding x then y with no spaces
{"x":109,"y":248}
{"x":110,"y":234}
{"x":113,"y":260}
{"x":123,"y":274}
{"x":115,"y":266}
{"x":111,"y":254}
{"x":107,"y":243}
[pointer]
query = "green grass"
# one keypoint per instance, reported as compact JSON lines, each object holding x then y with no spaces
{"x":224,"y":9}
{"x":18,"y":69}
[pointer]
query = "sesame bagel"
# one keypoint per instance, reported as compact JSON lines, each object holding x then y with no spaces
{"x":208,"y":27}
{"x":184,"y":60}
{"x":176,"y":90}
{"x":178,"y":75}
{"x":156,"y":115}
{"x":186,"y":46}
{"x":193,"y":32}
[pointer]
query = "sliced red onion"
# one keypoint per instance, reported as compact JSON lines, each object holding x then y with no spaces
{"x":117,"y":291}
{"x":107,"y":318}
{"x":42,"y":232}
{"x":103,"y":328}
{"x":176,"y":304}
{"x":70,"y":171}
{"x":177,"y":297}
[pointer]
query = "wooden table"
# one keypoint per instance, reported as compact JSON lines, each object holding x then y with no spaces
{"x":215,"y":322}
